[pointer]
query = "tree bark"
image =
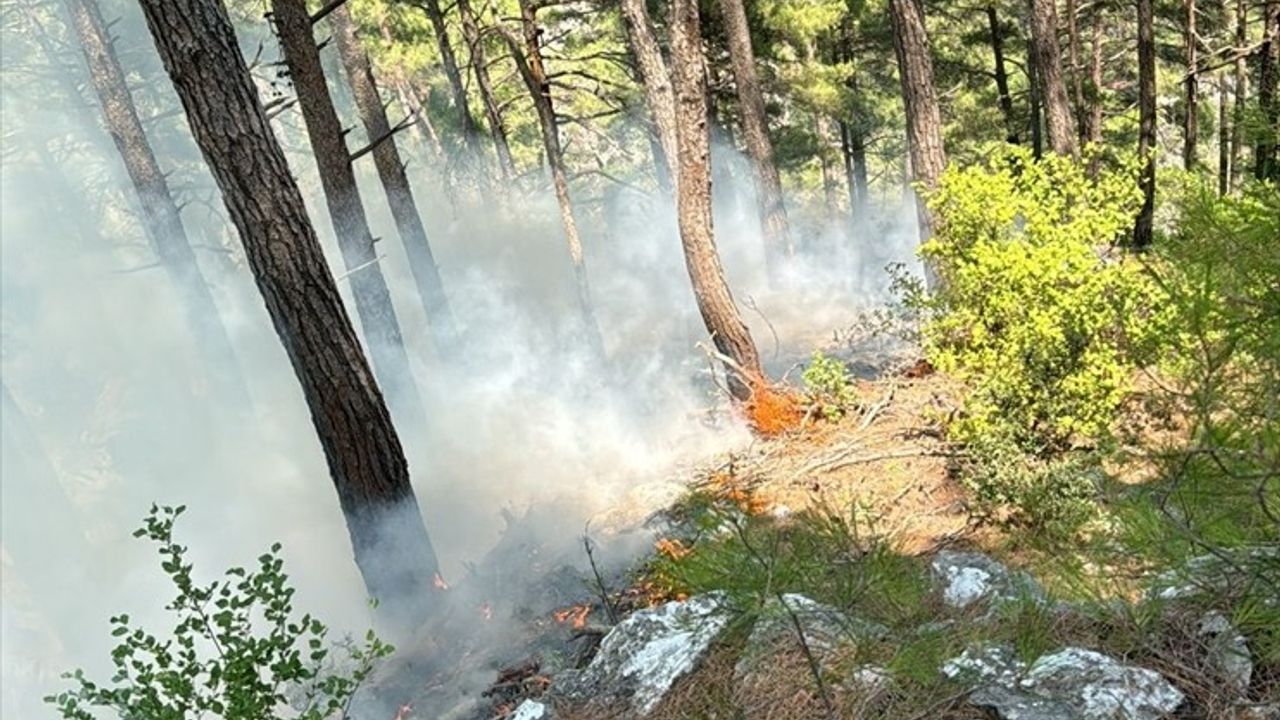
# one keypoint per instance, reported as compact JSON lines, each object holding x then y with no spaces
{"x":160,"y":213}
{"x":480,"y":66}
{"x":530,"y":65}
{"x":1241,"y":90}
{"x":651,"y":72}
{"x":470,"y":130}
{"x":1191,"y":89}
{"x":924,"y":123}
{"x":1047,"y":57}
{"x":1093,"y":115}
{"x":346,"y":210}
{"x":1142,"y":228}
{"x":1077,"y":74}
{"x":1224,"y":137}
{"x":693,"y":204}
{"x":1266,"y":166}
{"x":386,"y":157}
{"x":1036,"y":101}
{"x":199,"y":49}
{"x":779,"y":245}
{"x":855,"y":166}
{"x":1002,"y":76}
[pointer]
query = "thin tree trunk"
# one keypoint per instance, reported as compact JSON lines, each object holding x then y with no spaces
{"x":1224,"y":137}
{"x":1075,"y":55}
{"x":1191,"y":96}
{"x":1002,"y":76}
{"x":1048,"y":61}
{"x":412,"y":103}
{"x":1142,"y":229}
{"x":1035,"y":100}
{"x":651,"y":71}
{"x":199,"y":49}
{"x":160,"y":213}
{"x":346,"y":210}
{"x":480,"y":66}
{"x":386,"y":157}
{"x":1241,"y":90}
{"x":693,"y":202}
{"x":470,"y":130}
{"x":924,"y":123}
{"x":1266,"y":166}
{"x":1093,"y":115}
{"x":532,"y":69}
{"x":779,"y":245}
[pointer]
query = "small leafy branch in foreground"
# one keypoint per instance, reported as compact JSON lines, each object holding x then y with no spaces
{"x":831,"y":389}
{"x":238,"y":651}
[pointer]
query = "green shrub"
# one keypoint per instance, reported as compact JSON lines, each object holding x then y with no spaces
{"x":1053,"y":496}
{"x":830,"y":386}
{"x":1030,"y":311}
{"x":237,"y":652}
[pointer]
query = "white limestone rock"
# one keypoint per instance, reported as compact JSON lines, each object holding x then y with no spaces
{"x":966,"y":578}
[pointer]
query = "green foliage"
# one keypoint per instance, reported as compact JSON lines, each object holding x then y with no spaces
{"x":1031,"y":310}
{"x":1053,"y":496}
{"x":831,"y":388}
{"x":237,"y":651}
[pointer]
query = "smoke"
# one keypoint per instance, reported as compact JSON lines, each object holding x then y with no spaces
{"x":112,"y":410}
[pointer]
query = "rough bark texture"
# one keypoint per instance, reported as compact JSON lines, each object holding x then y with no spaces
{"x":532,"y":69}
{"x":1093,"y":95}
{"x":1047,"y":57}
{"x":200,"y":53}
{"x":1191,"y":87}
{"x":1146,"y":121}
{"x":1002,"y":75}
{"x":651,"y":71}
{"x":386,"y":157}
{"x":480,"y":67}
{"x":470,"y":130}
{"x":779,"y":244}
{"x":160,"y":213}
{"x":924,"y":123}
{"x":342,"y":195}
{"x":1035,"y":101}
{"x":1074,"y":55}
{"x":1266,"y":166}
{"x":693,"y":204}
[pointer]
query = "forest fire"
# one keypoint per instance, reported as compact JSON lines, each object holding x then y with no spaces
{"x":575,"y":616}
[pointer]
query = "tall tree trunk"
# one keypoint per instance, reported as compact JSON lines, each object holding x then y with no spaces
{"x":1224,"y":137}
{"x":1077,"y":69}
{"x":1142,"y":228}
{"x":1241,"y":90}
{"x":200,"y":53}
{"x":779,"y":245}
{"x":1093,"y":115}
{"x":1047,"y":58}
{"x":386,"y":157}
{"x":160,"y":214}
{"x":470,"y":130}
{"x":855,"y":167}
{"x":530,"y":65}
{"x":480,"y":66}
{"x":1266,"y":166}
{"x":412,"y":103}
{"x":924,"y":122}
{"x":1191,"y":90}
{"x":693,"y":203}
{"x":651,"y":71}
{"x":346,"y":210}
{"x":1035,"y":101}
{"x":1002,"y":76}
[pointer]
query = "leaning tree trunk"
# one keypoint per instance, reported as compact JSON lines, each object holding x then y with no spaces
{"x":1002,"y":75}
{"x":346,"y":210}
{"x":651,"y":71}
{"x":480,"y":67}
{"x":1142,"y":228}
{"x":531,"y":68}
{"x":1241,"y":89}
{"x":693,"y":205}
{"x":1266,"y":166}
{"x":1191,"y":88}
{"x":394,"y":553}
{"x":924,"y":123}
{"x":470,"y":130}
{"x":160,"y":214}
{"x":779,"y":245}
{"x":386,"y":157}
{"x":1048,"y":62}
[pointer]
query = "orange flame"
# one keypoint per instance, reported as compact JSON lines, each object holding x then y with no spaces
{"x":438,"y":582}
{"x":771,"y":412}
{"x":577,"y":615}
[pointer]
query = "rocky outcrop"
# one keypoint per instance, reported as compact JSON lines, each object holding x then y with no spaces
{"x":967,"y":578}
{"x":825,"y":629}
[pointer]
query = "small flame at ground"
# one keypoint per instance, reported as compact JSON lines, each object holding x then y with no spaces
{"x":576,"y":615}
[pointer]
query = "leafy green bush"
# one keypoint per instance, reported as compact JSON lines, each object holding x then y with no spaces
{"x":830,"y":386}
{"x":237,"y":652}
{"x":1031,"y":311}
{"x":1054,"y":496}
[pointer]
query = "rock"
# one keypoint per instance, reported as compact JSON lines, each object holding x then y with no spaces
{"x":643,"y":656}
{"x":532,"y":710}
{"x":985,"y":665}
{"x":1228,"y":651}
{"x":1214,"y":574}
{"x":825,"y":630}
{"x":969,"y":577}
{"x":1071,"y":684}
{"x":869,"y":681}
